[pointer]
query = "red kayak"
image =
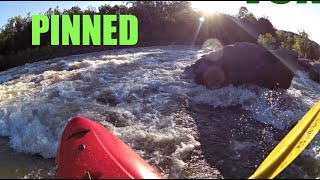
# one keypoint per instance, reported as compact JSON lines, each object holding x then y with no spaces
{"x":89,"y":150}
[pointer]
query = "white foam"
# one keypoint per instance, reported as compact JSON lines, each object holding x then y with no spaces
{"x":161,"y":143}
{"x":178,"y":164}
{"x":224,"y":97}
{"x":138,"y":84}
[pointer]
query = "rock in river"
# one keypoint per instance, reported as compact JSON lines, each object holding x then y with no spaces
{"x":245,"y":63}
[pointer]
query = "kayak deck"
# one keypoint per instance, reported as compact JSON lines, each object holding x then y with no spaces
{"x":89,"y":150}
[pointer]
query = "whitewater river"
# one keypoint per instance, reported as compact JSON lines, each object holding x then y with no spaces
{"x":182,"y":129}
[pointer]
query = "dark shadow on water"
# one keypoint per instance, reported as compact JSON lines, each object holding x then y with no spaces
{"x":14,"y":164}
{"x":221,"y":129}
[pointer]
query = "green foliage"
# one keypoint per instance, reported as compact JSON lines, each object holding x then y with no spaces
{"x":56,"y":11}
{"x":288,"y":43}
{"x":90,"y":10}
{"x":299,"y":43}
{"x":267,"y":41}
{"x":285,"y":39}
{"x":160,"y":22}
{"x":104,"y":9}
{"x":243,"y":12}
{"x":302,"y":45}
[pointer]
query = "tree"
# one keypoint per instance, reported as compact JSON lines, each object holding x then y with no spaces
{"x":315,"y":51}
{"x":49,"y":12}
{"x":159,"y":22}
{"x":287,"y":43}
{"x":105,"y":9}
{"x":123,"y":9}
{"x":250,"y":18}
{"x":266,"y":26}
{"x":56,"y":11}
{"x":90,"y":10}
{"x":243,"y":12}
{"x":302,"y":44}
{"x":267,"y":41}
{"x":285,"y":40}
{"x":72,"y":11}
{"x":280,"y":36}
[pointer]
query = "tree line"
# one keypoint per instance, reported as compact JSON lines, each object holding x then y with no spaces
{"x":300,"y":43}
{"x":160,"y":23}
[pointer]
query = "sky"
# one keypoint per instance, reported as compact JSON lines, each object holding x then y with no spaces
{"x":291,"y":16}
{"x":10,"y":9}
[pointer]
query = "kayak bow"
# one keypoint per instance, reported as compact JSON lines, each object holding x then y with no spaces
{"x":89,"y":150}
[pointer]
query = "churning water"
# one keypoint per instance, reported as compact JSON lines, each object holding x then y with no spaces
{"x":182,"y":129}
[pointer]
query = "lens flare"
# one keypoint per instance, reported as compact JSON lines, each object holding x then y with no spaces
{"x":211,"y":44}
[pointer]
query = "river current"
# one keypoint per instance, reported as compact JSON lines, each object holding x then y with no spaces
{"x":182,"y":129}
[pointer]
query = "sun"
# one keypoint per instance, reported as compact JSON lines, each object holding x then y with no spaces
{"x":211,"y":7}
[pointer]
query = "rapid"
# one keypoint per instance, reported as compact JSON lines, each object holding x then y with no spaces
{"x":182,"y":129}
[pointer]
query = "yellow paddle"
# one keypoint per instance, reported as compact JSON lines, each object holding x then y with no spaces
{"x":291,"y":145}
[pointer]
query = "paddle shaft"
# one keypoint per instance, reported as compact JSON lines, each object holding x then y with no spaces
{"x":291,"y":145}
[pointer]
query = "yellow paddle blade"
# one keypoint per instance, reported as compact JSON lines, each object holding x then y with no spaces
{"x":291,"y":145}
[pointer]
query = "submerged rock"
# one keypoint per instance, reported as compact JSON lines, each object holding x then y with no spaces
{"x":314,"y":73}
{"x":305,"y":64}
{"x":245,"y":63}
